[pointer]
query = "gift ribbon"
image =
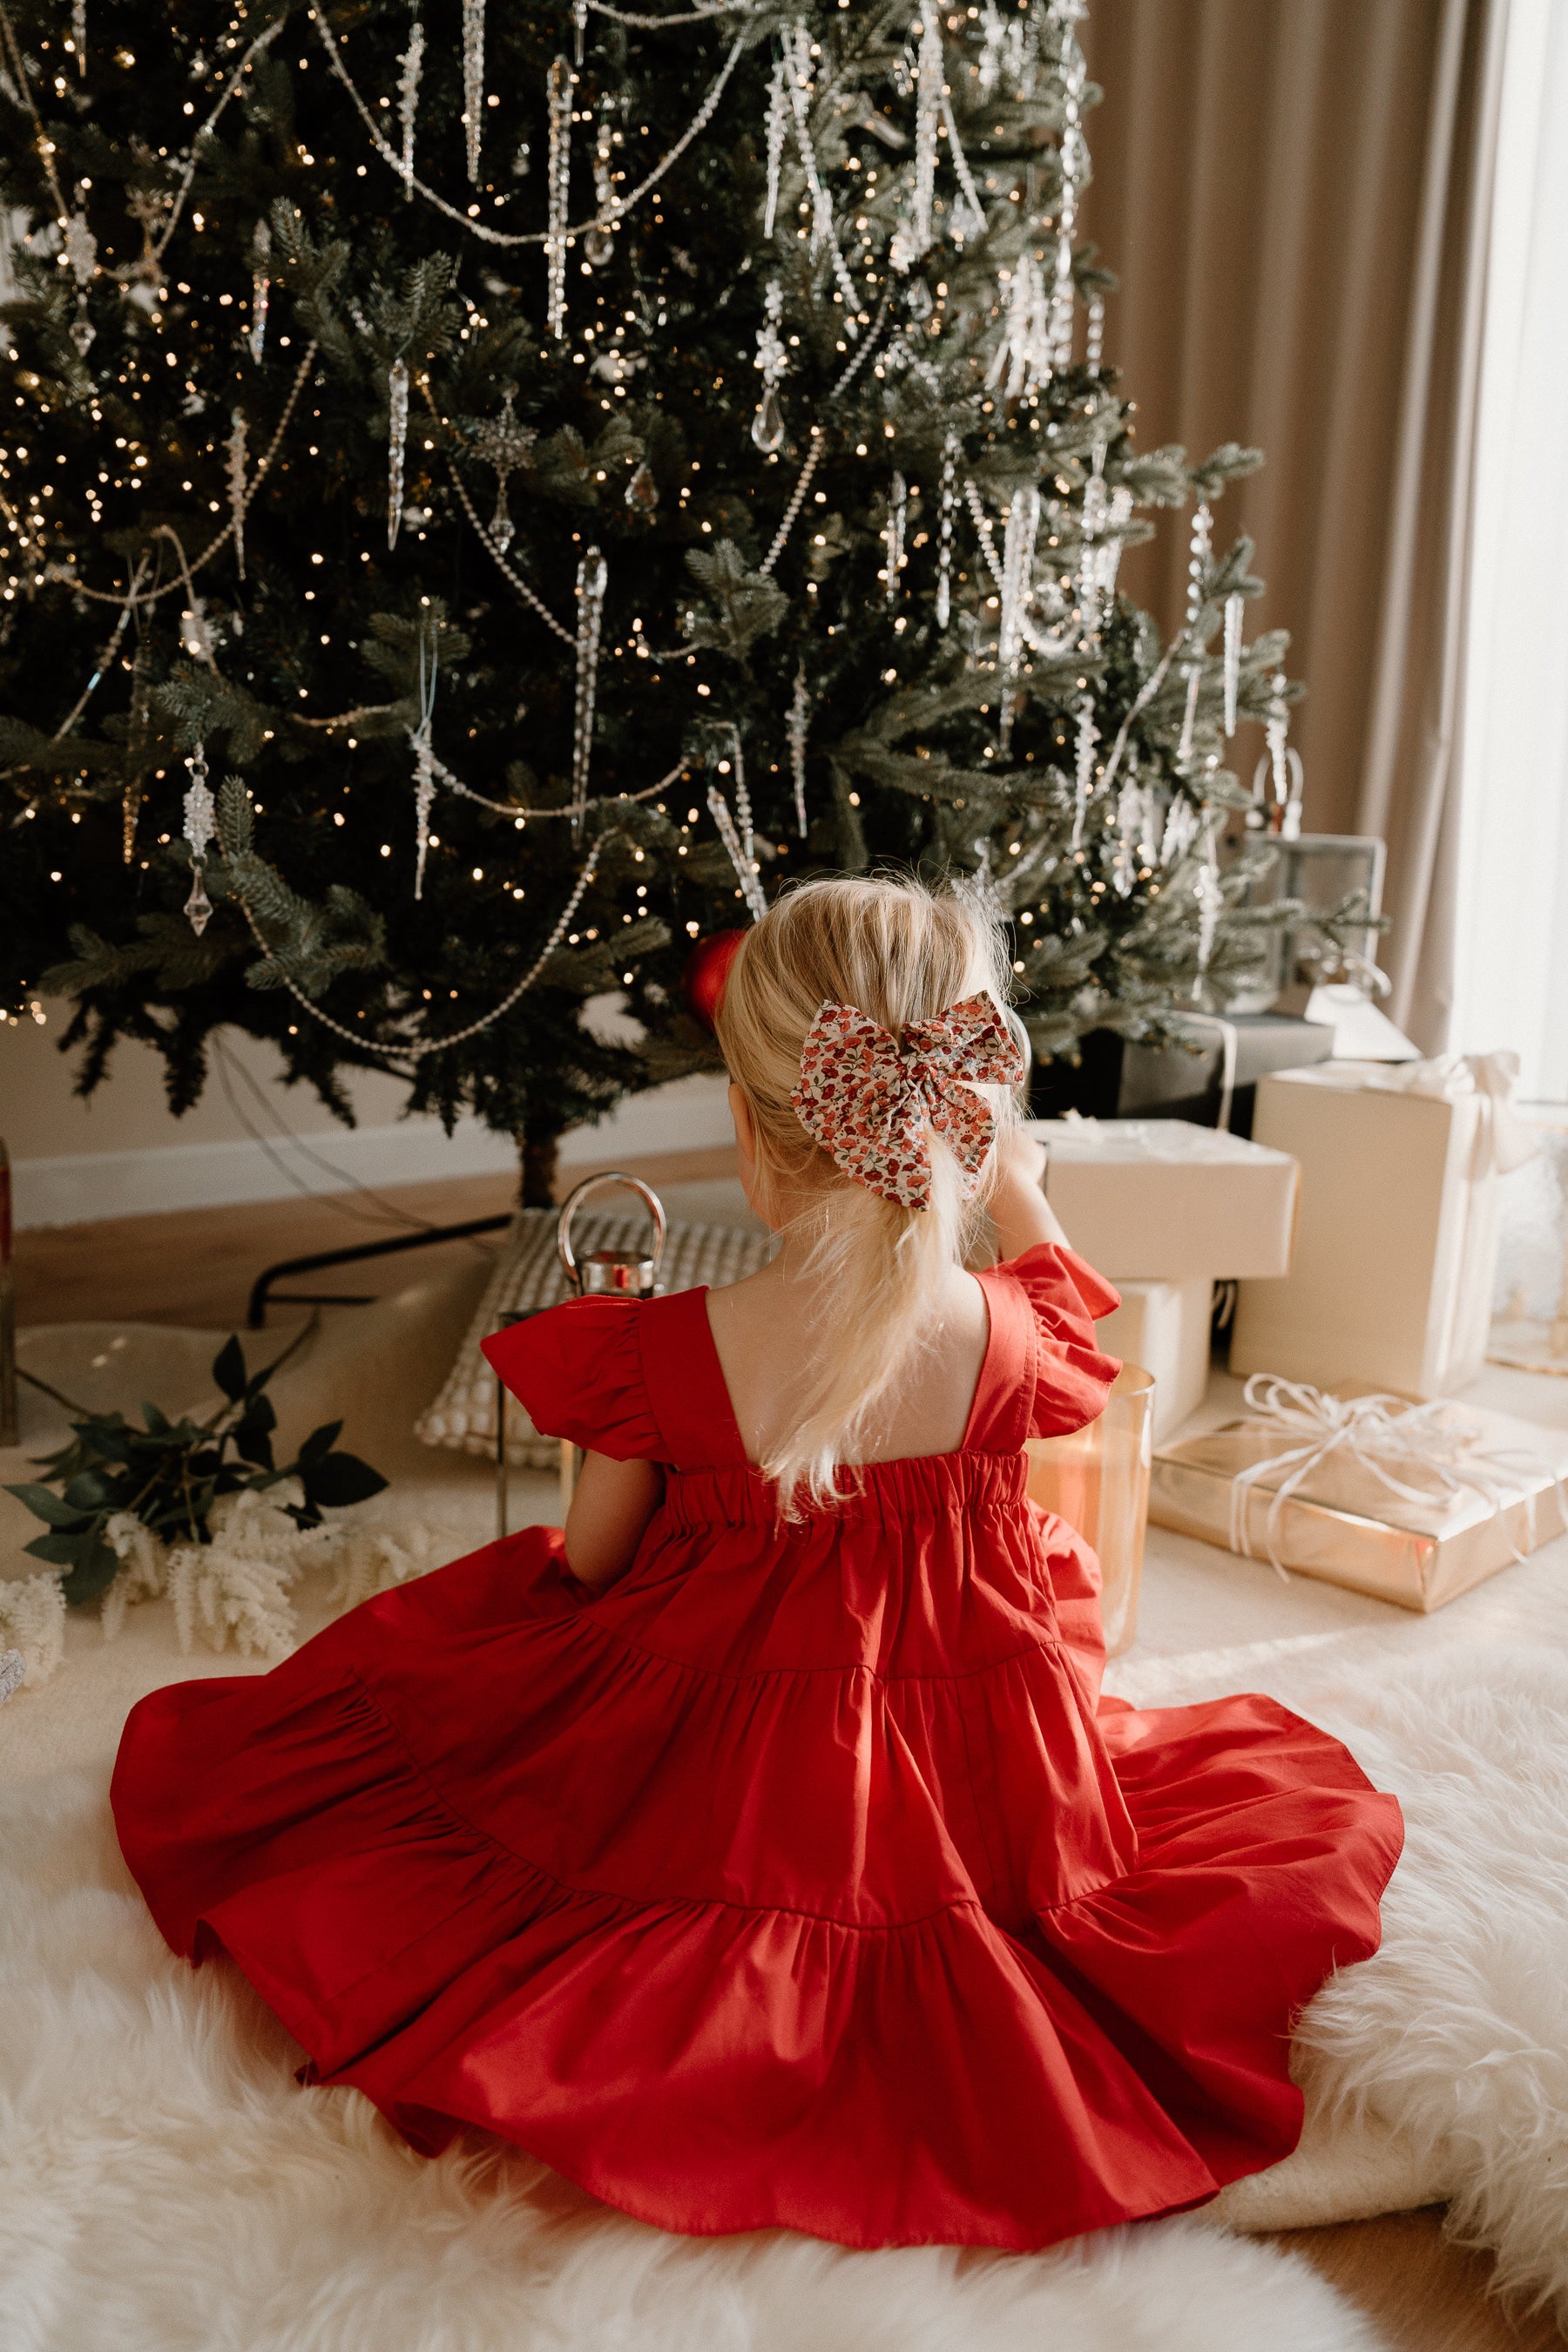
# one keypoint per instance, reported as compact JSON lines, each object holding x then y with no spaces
{"x":1377,"y":1431}
{"x":1502,"y":1141}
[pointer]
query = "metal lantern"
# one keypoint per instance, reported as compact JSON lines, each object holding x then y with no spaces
{"x":623,"y":1273}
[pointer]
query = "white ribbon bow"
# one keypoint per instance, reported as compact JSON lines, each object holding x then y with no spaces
{"x":1502,"y":1139}
{"x":1384,"y":1434}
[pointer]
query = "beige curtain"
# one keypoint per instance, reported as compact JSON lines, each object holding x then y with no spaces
{"x":1295,"y":195}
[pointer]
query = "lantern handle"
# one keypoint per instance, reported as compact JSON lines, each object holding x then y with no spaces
{"x":580,"y":1192}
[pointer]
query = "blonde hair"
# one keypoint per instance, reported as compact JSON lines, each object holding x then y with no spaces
{"x":899,"y":952}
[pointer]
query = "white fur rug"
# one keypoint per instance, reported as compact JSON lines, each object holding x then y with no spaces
{"x":166,"y":2186}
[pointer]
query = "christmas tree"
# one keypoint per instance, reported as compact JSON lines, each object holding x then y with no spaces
{"x":567,"y":473}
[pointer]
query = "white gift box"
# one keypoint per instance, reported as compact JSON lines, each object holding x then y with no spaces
{"x":1397,"y":1252}
{"x":1165,"y":1326}
{"x":1159,"y":1200}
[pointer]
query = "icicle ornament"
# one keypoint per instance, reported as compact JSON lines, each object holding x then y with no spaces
{"x":949,"y":507}
{"x":412,"y":64}
{"x":78,"y":36}
{"x":1181,"y":828}
{"x":776,"y":133}
{"x":397,"y":441}
{"x":772,"y":359}
{"x":1083,"y":780}
{"x":260,"y":288}
{"x":898,"y":517}
{"x":473,"y":79}
{"x":799,"y":712}
{"x":930,"y":74}
{"x":1234,"y":610}
{"x":599,"y":237}
{"x":592,"y":576}
{"x":798,"y":81}
{"x":1195,"y":677}
{"x":743,"y":799}
{"x":1210,"y":900}
{"x":1019,"y":541}
{"x":236,"y":474}
{"x":751,"y":888}
{"x":1024,"y":353}
{"x":424,"y":745}
{"x":199,"y":831}
{"x":559,"y":179}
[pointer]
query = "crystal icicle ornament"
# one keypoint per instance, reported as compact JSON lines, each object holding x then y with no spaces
{"x":824,"y":239}
{"x":944,"y":528}
{"x":559,"y":177}
{"x":768,"y":425}
{"x":1210,"y":898}
{"x":396,"y":440}
{"x":751,"y":888}
{"x":799,"y":712}
{"x":424,"y":799}
{"x":78,"y":36}
{"x":503,"y":442}
{"x":1024,"y":353}
{"x":199,"y":829}
{"x":1198,"y":556}
{"x":1235,"y":609}
{"x":1018,"y":543}
{"x":993,"y":34}
{"x":412,"y":64}
{"x":260,"y":285}
{"x":897,"y":513}
{"x":236,"y":472}
{"x":81,"y":253}
{"x":1274,"y":767}
{"x":599,"y":241}
{"x":931,"y":73}
{"x":1181,"y":825}
{"x":1083,"y":779}
{"x":473,"y":79}
{"x":743,"y":799}
{"x":777,"y":129}
{"x":593,"y":576}
{"x":1195,"y":677}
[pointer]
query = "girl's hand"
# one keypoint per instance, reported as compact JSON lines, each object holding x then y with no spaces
{"x":1020,"y":1212}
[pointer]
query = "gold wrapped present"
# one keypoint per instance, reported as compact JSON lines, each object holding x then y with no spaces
{"x":1412,"y":1503}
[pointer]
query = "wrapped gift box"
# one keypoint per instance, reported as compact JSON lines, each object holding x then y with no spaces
{"x":1163,"y":1201}
{"x":1217,"y":1087}
{"x":1166,"y":1327}
{"x":1347,"y":1525}
{"x":1392,"y":1282}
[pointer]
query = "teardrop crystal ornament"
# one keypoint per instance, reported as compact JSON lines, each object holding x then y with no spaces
{"x":642,"y":490}
{"x":198,"y":907}
{"x":768,"y":425}
{"x":597,"y":245}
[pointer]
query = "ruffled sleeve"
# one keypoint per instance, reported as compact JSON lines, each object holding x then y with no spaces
{"x":1066,"y":1298}
{"x":578,"y":1371}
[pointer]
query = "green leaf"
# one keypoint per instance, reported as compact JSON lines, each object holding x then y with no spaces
{"x":228,"y":1367}
{"x":252,"y":1438}
{"x":320,"y":1441}
{"x":157,"y":1420}
{"x":92,"y":1490}
{"x":340,"y":1478}
{"x":91,"y":1578}
{"x":49,"y":1507}
{"x":63,"y":1550}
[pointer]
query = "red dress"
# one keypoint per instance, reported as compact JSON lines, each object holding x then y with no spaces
{"x":799,"y":1878}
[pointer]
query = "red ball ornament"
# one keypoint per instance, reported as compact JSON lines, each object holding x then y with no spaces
{"x":706,"y":970}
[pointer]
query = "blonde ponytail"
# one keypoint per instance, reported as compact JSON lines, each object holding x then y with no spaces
{"x":900,"y":953}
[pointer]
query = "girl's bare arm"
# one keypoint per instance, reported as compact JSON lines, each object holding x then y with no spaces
{"x":1020,"y":1212}
{"x":612,"y":1504}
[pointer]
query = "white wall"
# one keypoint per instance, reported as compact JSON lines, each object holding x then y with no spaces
{"x":251,"y":1137}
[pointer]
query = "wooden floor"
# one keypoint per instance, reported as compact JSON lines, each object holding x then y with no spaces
{"x":198,"y":1267}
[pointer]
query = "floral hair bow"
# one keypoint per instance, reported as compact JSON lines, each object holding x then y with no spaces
{"x":866,"y":1096}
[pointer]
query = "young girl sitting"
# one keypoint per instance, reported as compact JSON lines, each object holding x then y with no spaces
{"x":760,"y":1851}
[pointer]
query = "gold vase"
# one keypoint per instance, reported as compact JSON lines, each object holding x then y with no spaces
{"x":1098,"y":1481}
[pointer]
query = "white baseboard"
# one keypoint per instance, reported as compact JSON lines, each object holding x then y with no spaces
{"x":690,"y":1115}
